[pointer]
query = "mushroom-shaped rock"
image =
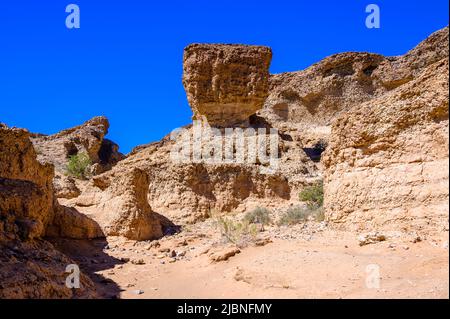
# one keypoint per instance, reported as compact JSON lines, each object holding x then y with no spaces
{"x":226,"y":83}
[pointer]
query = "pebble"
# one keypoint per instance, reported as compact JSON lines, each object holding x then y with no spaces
{"x":138,"y":262}
{"x":138,"y":292}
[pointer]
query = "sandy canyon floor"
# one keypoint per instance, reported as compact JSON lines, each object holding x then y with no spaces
{"x":301,"y":261}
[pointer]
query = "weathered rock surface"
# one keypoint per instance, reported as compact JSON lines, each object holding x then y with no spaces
{"x":226,"y":83}
{"x":29,"y":266}
{"x":26,"y":196}
{"x":86,"y":138}
{"x":117,"y":201}
{"x":304,"y":104}
{"x":387,"y":163}
{"x":188,"y":191}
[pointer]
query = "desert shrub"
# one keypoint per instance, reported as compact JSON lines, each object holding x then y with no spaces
{"x":313,"y":195}
{"x":319,"y":214}
{"x":79,"y":165}
{"x":295,"y":215}
{"x":259,"y":215}
{"x":239,"y":233}
{"x":299,"y":214}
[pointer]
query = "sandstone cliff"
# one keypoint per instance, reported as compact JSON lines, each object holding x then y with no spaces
{"x":387,"y":163}
{"x":305,"y":103}
{"x":29,"y":266}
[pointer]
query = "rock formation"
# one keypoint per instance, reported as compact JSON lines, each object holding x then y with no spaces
{"x":29,"y":266}
{"x":226,"y":83}
{"x":87,"y":138}
{"x":117,"y":201}
{"x":387,"y":163}
{"x":304,"y":104}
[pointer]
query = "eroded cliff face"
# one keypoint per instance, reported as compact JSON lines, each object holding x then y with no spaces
{"x":387,"y":163}
{"x":30,"y":267}
{"x":189,"y":191}
{"x":117,"y":201}
{"x":304,"y":104}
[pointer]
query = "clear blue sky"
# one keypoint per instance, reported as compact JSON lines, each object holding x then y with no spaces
{"x":125,"y":62}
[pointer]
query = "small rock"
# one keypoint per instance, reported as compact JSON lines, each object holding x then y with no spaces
{"x":173,"y":253}
{"x":263,"y":242}
{"x":182,"y":243}
{"x":138,"y":262}
{"x":405,"y":247}
{"x":164,"y":250}
{"x":370,"y":238}
{"x":181,"y":254}
{"x":224,"y":254}
{"x":138,"y":292}
{"x":125,"y":259}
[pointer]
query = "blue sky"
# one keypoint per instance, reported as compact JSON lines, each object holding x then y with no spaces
{"x":125,"y":62}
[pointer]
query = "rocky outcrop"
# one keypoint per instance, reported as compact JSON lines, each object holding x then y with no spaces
{"x":304,"y":104}
{"x":87,"y":138}
{"x":396,"y":71}
{"x":29,"y":266}
{"x":189,"y":191}
{"x":226,"y":84}
{"x":26,"y":197}
{"x":387,"y":163}
{"x":117,"y":201}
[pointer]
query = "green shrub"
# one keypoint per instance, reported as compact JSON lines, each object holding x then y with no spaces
{"x":319,"y":214}
{"x":295,"y":215}
{"x":313,"y":195}
{"x":299,"y":214}
{"x":239,"y":233}
{"x":79,"y":165}
{"x":259,"y":215}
